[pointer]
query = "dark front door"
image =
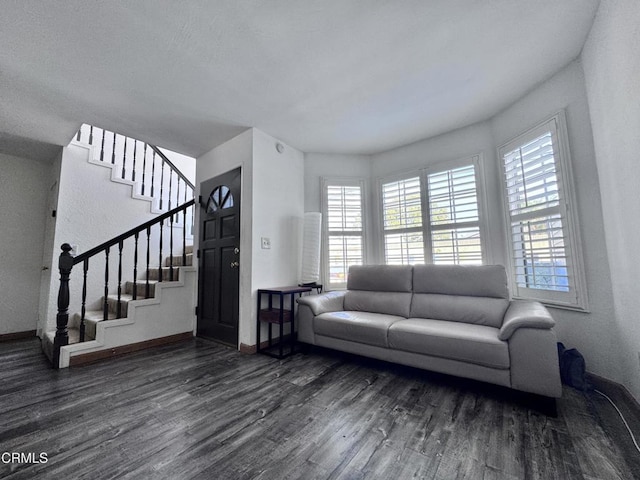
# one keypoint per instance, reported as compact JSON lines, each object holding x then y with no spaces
{"x":218,"y":285}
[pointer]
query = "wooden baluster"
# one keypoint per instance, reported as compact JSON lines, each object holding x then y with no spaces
{"x":113,"y":151}
{"x":153,"y":171}
{"x":184,"y":235}
{"x":160,"y":253}
{"x":135,"y":267}
{"x":146,"y":295}
{"x":83,"y":310}
{"x":177,"y":197}
{"x":161,"y":181}
{"x":135,"y":152}
{"x":102,"y":147}
{"x":171,"y":249}
{"x":105,"y":307}
{"x":144,"y":166}
{"x":119,"y":304}
{"x":169,"y":196}
{"x":65,"y":264}
{"x":124,"y":157}
{"x":193,"y":217}
{"x":185,"y":201}
{"x":91,"y":135}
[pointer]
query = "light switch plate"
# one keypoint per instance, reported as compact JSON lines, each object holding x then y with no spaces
{"x":266,"y":243}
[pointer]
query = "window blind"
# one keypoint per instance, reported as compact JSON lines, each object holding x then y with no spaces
{"x":540,"y":257}
{"x":402,"y":222}
{"x":344,"y":230}
{"x":454,"y":216}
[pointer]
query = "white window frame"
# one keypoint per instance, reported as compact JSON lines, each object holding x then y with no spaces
{"x":576,"y":297}
{"x":325,"y":182}
{"x":476,"y":160}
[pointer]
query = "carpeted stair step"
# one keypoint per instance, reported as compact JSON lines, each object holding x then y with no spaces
{"x":178,"y":260}
{"x":112,"y":300}
{"x":141,"y":288}
{"x":74,"y":335}
{"x":154,"y":274}
{"x":91,"y":319}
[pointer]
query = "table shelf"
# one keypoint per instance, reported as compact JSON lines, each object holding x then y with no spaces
{"x":278,"y":315}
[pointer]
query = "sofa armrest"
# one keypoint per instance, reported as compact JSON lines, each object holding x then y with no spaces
{"x":327,"y":302}
{"x":524,"y":313}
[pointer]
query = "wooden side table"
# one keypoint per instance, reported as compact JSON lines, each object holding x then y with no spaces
{"x":279,"y":315}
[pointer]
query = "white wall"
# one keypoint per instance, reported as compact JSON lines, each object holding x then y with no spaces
{"x":237,"y":152}
{"x":592,"y":333}
{"x":278,"y":209}
{"x":48,"y":261}
{"x":272,"y":203}
{"x":24,"y":187}
{"x":318,"y":165}
{"x":612,"y":72}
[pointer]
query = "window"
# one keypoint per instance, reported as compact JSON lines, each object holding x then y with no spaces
{"x":344,"y":227}
{"x":542,"y":239}
{"x":449,"y":233}
{"x":402,"y":222}
{"x":453,"y":216}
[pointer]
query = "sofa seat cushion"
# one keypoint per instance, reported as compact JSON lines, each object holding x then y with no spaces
{"x":362,"y":327}
{"x":477,"y":344}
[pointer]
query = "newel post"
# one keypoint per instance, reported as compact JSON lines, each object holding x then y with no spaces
{"x":65,"y":264}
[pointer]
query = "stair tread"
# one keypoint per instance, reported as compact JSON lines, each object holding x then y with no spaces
{"x":97,"y":316}
{"x":124,"y":297}
{"x":141,"y":282}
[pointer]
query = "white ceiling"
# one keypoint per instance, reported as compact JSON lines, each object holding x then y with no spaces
{"x":349,"y":76}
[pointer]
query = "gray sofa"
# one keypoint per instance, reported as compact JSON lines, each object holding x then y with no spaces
{"x":451,"y":319}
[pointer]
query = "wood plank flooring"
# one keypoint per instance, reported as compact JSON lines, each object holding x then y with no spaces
{"x":201,"y":410}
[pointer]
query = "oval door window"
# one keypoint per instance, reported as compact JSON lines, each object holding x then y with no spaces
{"x":219,"y":199}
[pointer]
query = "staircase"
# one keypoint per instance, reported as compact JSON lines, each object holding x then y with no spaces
{"x":141,"y":319}
{"x":147,"y":169}
{"x":93,"y":317}
{"x":140,"y":303}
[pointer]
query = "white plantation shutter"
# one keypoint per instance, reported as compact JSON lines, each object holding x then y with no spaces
{"x":543,"y":254}
{"x":343,"y":232}
{"x":402,"y":222}
{"x":454,"y":217}
{"x":433,"y":216}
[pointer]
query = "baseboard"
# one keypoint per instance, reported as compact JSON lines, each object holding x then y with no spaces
{"x":250,"y":349}
{"x":86,"y":358}
{"x":7,"y":337}
{"x":617,"y":390}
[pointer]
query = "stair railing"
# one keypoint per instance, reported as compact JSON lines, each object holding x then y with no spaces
{"x":66,"y":263}
{"x":141,"y":162}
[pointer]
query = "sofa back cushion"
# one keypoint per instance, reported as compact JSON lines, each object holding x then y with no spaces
{"x":469,"y":294}
{"x":379,"y":289}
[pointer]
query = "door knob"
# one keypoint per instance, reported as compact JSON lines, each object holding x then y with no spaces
{"x":235,"y":264}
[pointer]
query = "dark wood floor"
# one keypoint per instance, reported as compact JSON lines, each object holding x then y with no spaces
{"x":200,"y":410}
